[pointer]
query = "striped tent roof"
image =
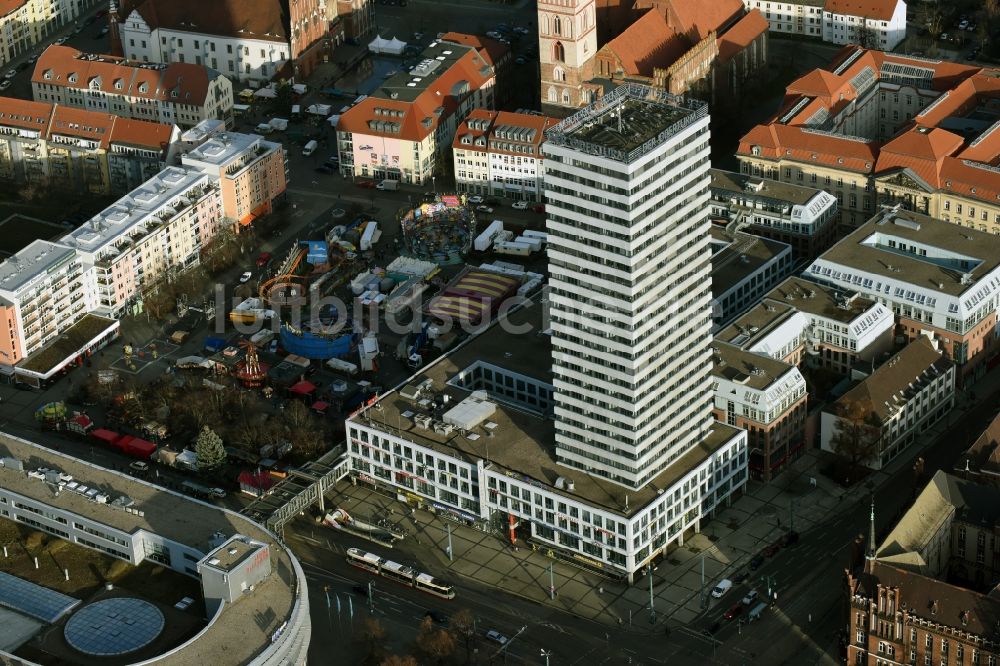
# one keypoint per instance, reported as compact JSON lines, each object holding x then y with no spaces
{"x":472,"y":297}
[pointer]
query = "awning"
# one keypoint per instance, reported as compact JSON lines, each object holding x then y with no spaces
{"x":304,"y":387}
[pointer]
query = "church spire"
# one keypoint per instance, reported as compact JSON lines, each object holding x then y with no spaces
{"x":870,"y":555}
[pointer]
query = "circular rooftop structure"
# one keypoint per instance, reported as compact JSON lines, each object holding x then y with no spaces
{"x":114,"y":626}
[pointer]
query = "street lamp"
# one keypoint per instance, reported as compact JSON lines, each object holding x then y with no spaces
{"x":434,"y":184}
{"x":546,"y":654}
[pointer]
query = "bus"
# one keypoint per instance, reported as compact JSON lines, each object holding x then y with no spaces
{"x":399,"y":573}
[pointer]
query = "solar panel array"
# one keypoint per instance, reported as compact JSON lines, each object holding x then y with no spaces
{"x":114,"y":626}
{"x":36,"y":601}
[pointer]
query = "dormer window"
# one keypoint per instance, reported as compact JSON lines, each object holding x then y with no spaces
{"x":72,"y":78}
{"x":143,"y":87}
{"x":119,"y":85}
{"x":47,"y":74}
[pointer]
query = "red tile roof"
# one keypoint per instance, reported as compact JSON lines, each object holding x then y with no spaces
{"x":465,"y":131}
{"x":777,"y":141}
{"x":873,"y":9}
{"x":65,"y":66}
{"x":419,"y":117}
{"x":922,"y":150}
{"x":248,"y":19}
{"x":741,"y":35}
{"x":697,"y":18}
{"x":11,"y":6}
{"x":50,"y":119}
{"x":503,"y":119}
{"x":648,"y":43}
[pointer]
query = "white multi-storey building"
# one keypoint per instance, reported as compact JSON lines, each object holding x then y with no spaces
{"x":473,"y":434}
{"x":838,"y":21}
{"x":500,"y":153}
{"x":938,"y":278}
{"x":803,"y":217}
{"x":628,"y":233}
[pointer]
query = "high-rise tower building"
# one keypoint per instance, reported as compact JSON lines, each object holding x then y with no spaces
{"x":627,"y":201}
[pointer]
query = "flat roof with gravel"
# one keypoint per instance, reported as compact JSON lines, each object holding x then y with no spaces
{"x":238,"y":634}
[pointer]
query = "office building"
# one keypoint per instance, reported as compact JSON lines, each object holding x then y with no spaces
{"x":499,"y":153}
{"x":407,"y":125}
{"x":600,"y":458}
{"x":939,"y":280}
{"x":803,"y":217}
{"x":879,"y":128}
{"x":744,"y":268}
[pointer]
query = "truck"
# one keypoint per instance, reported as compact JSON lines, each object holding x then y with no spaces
{"x":178,"y":337}
{"x":279,"y":124}
{"x":263,"y":128}
{"x":214,"y":344}
{"x":485,"y":239}
{"x":310,"y":147}
{"x":262,"y":337}
{"x":508,"y":247}
{"x":388,"y":185}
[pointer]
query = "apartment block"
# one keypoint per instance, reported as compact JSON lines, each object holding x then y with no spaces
{"x":44,"y":320}
{"x":79,"y":151}
{"x":182,"y":94}
{"x":765,"y":397}
{"x":251,"y":173}
{"x":939,"y":279}
{"x":878,"y":128}
{"x":877,"y":24}
{"x":405,"y":127}
{"x":500,"y":154}
{"x":802,"y":217}
{"x":923,"y":595}
{"x":24,"y":24}
{"x":902,"y":398}
{"x":744,"y":268}
{"x":804,"y":322}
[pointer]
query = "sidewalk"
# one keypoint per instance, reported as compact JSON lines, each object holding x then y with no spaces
{"x":726,"y":543}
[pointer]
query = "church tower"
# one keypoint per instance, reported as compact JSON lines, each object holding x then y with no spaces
{"x":567,"y":44}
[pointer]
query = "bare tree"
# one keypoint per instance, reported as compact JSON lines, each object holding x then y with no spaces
{"x":436,"y":644}
{"x":373,"y":634}
{"x":463,"y":623}
{"x":397,"y":660}
{"x":857,"y":432}
{"x":866,"y":38}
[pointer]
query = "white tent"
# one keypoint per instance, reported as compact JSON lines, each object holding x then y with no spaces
{"x":391,"y":46}
{"x":266,"y":93}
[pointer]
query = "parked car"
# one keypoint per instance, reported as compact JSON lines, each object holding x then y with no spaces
{"x":62,"y":40}
{"x":496,"y":637}
{"x":540,"y":208}
{"x":325,"y":169}
{"x":756,"y":562}
{"x":263,"y":258}
{"x":139,"y":466}
{"x":484,"y":209}
{"x":734,"y":611}
{"x":720,"y":590}
{"x":740,"y":577}
{"x":5,"y":83}
{"x":750,"y":598}
{"x":367,"y":184}
{"x":475,"y":200}
{"x":10,"y":73}
{"x":791,"y":538}
{"x":773,"y":549}
{"x":520,"y":205}
{"x":520,"y":60}
{"x":245,"y":277}
{"x":103,"y":31}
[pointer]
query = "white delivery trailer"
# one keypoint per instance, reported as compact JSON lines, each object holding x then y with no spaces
{"x":370,"y":236}
{"x":534,"y":243}
{"x":388,"y":185}
{"x":279,"y":124}
{"x":485,"y":239}
{"x":341,"y":365}
{"x":516,"y":249}
{"x":531,"y":233}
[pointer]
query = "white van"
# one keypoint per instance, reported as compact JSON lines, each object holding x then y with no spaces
{"x":720,"y":590}
{"x":310,"y":147}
